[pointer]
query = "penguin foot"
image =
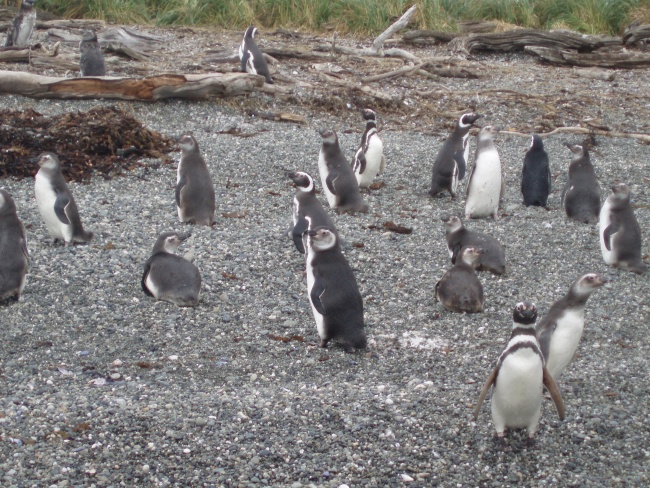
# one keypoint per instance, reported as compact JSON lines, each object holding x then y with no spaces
{"x":323,"y":343}
{"x":500,"y":442}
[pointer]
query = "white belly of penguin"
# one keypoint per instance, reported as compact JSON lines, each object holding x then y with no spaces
{"x":485,"y":186}
{"x":323,"y":171}
{"x":320,"y":319}
{"x":564,"y":341}
{"x":45,"y":198}
{"x":151,"y":286}
{"x":609,"y":256}
{"x":373,"y":162}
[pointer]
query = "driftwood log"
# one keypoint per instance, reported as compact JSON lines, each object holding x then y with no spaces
{"x":601,"y":59}
{"x":62,"y":24}
{"x":637,"y":36}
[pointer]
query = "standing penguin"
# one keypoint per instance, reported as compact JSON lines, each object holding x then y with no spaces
{"x":13,"y":249}
{"x":560,"y":331}
{"x":333,"y":292}
{"x":451,"y":161}
{"x":194,"y":188}
{"x":620,"y":234}
{"x":20,"y":30}
{"x":485,"y":187}
{"x":337,"y":177}
{"x":170,"y":277}
{"x":252,"y":59}
{"x":518,"y":378}
{"x":369,"y":159}
{"x":306,"y":206}
{"x":536,"y":174}
{"x":492,"y":258}
{"x":459,"y":289}
{"x":91,"y":62}
{"x":56,"y":204}
{"x":581,"y":194}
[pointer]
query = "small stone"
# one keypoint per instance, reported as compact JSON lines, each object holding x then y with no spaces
{"x":173,"y":357}
{"x":117,"y":363}
{"x":145,"y":468}
{"x":200,"y":422}
{"x":405,"y":478}
{"x":115,"y":376}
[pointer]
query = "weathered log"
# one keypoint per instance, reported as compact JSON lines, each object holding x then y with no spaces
{"x":585,"y":131}
{"x":601,"y":59}
{"x":637,"y":36}
{"x":133,"y":39}
{"x":425,"y":37}
{"x":62,"y":24}
{"x":194,"y":87}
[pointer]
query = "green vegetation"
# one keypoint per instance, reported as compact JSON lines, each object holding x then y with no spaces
{"x":358,"y":17}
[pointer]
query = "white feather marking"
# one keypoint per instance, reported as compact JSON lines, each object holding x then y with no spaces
{"x":320,"y":319}
{"x":564,"y":341}
{"x":374,"y":155}
{"x":323,"y":170}
{"x":45,"y":198}
{"x":605,"y":219}
{"x":485,"y":185}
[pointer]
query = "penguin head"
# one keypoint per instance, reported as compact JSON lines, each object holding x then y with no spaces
{"x":578,"y":150}
{"x":187,"y":143}
{"x":89,"y":35}
{"x":368,"y":114}
{"x":27,"y":4}
{"x":587,"y":283}
{"x":49,"y":160}
{"x":536,"y":142}
{"x":320,"y":238}
{"x":250,"y":32}
{"x":468,"y":119}
{"x":470,"y":255}
{"x":329,"y":136}
{"x":452,"y":224}
{"x":169,"y":242}
{"x":620,"y":193}
{"x":524,"y":313}
{"x":487,"y":133}
{"x":303,"y":181}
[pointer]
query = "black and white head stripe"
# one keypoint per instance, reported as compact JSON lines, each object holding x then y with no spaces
{"x":525,"y":313}
{"x":303,"y":181}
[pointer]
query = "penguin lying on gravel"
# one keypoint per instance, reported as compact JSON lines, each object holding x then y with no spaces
{"x":492,"y":258}
{"x":251,"y":57}
{"x":536,"y":174}
{"x":518,"y":378}
{"x":581,"y":194}
{"x":369,"y":160}
{"x":459,"y":289}
{"x":13,"y":249}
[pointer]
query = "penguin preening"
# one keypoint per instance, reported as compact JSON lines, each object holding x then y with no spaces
{"x":560,"y":330}
{"x":13,"y":249}
{"x":581,"y":194}
{"x":20,"y":30}
{"x":485,"y":186}
{"x":620,"y":233}
{"x":195,"y":197}
{"x":518,"y":378}
{"x":536,"y":174}
{"x":56,"y":204}
{"x":170,"y":277}
{"x":252,"y":59}
{"x":369,"y":160}
{"x":459,"y":289}
{"x":451,"y":161}
{"x":492,"y":258}
{"x":91,"y":62}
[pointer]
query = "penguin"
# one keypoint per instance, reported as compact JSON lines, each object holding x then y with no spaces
{"x":170,"y":277}
{"x":581,"y":194}
{"x":369,"y":160}
{"x":492,"y":259}
{"x":13,"y":249}
{"x":333,"y":292}
{"x":252,"y":59}
{"x":91,"y":62}
{"x":536,"y":174}
{"x":518,"y":378}
{"x":620,"y":234}
{"x":20,"y":30}
{"x":560,"y":331}
{"x":337,"y":177}
{"x":56,"y":204}
{"x":451,"y":161}
{"x":459,"y":289}
{"x":306,"y":206}
{"x":485,"y":187}
{"x":195,"y":199}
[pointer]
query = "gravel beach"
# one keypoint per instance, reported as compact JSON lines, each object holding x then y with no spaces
{"x":101,"y":385}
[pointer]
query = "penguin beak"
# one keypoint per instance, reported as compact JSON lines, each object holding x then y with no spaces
{"x":184,"y":237}
{"x":568,"y":144}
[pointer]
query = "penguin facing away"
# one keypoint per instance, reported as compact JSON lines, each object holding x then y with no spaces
{"x":581,"y":194}
{"x":20,"y":30}
{"x":620,"y":233}
{"x":13,"y":249}
{"x":334,"y":295}
{"x":451,"y":161}
{"x":492,"y":258}
{"x":56,"y":204}
{"x":337,"y":177}
{"x":485,"y":187}
{"x":536,"y":174}
{"x":91,"y":62}
{"x":459,"y":289}
{"x":195,"y":197}
{"x":518,"y":378}
{"x":306,"y":208}
{"x":560,"y":331}
{"x":369,"y":160}
{"x":170,"y":277}
{"x":251,"y":57}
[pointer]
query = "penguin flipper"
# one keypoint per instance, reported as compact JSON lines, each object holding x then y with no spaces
{"x":23,"y":246}
{"x":297,"y":232}
{"x":459,"y":157}
{"x":60,"y":205}
{"x":143,"y":282}
{"x":316,"y":294}
{"x":609,"y":232}
{"x":382,"y":165}
{"x":360,"y":161}
{"x":544,"y":332}
{"x":330,"y":181}
{"x":552,"y":388}
{"x":484,"y":392}
{"x":179,"y":188}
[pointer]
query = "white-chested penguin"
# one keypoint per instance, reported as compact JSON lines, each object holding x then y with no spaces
{"x":13,"y":249}
{"x":251,"y":57}
{"x":20,"y":30}
{"x":337,"y":177}
{"x":170,"y":277}
{"x":485,"y":187}
{"x":333,"y":292}
{"x":492,"y":259}
{"x":451,"y":162}
{"x":369,"y":160}
{"x":536,"y":174}
{"x":581,"y":194}
{"x":306,"y":208}
{"x":519,"y":377}
{"x":91,"y":62}
{"x":194,"y":189}
{"x":56,"y":204}
{"x":459,"y":289}
{"x":560,"y":330}
{"x":620,"y":233}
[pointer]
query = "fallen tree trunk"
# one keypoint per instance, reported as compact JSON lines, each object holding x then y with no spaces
{"x":614,"y":59}
{"x":637,"y":36}
{"x":62,"y":24}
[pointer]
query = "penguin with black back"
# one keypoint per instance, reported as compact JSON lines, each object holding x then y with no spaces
{"x":492,"y":259}
{"x":195,"y":196}
{"x":13,"y":249}
{"x":251,"y":57}
{"x":369,"y":160}
{"x":536,"y":174}
{"x":581,"y":194}
{"x":21,"y":28}
{"x":459,"y":289}
{"x":91,"y":62}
